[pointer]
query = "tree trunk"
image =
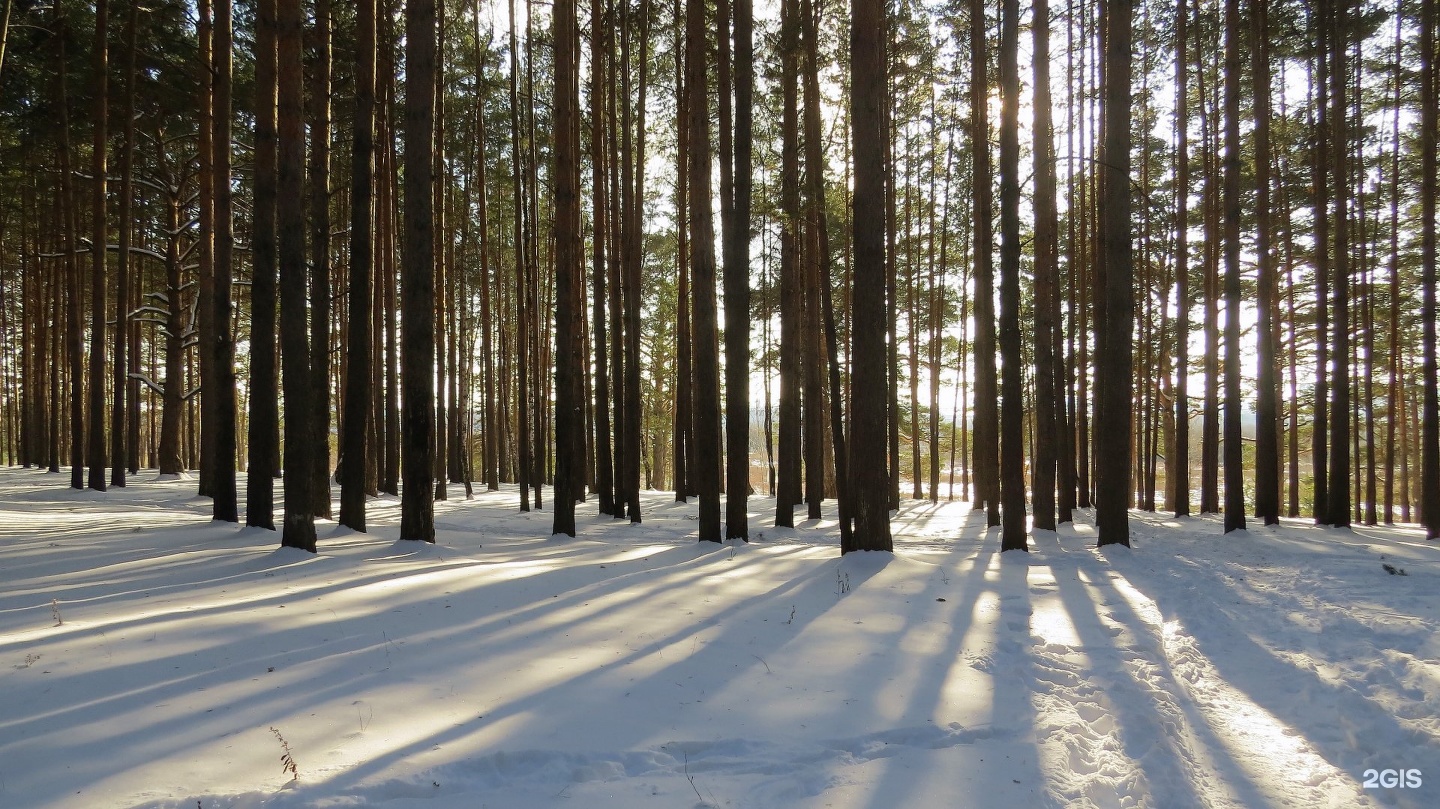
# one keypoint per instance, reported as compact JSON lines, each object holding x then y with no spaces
{"x":1114,"y":383}
{"x":1012,"y":450}
{"x":1178,"y":469}
{"x":99,"y":240}
{"x":788,"y":484}
{"x":1337,"y":499}
{"x":1234,"y":471}
{"x":987,"y":415}
{"x":264,"y":394}
{"x":1047,"y":301}
{"x":737,"y":285}
{"x":223,"y":479}
{"x":298,"y":528}
{"x":702,"y":263}
{"x":354,"y":449}
{"x":1320,"y":173}
{"x":869,"y":482}
{"x":569,"y":273}
{"x":1267,"y":414}
{"x":1430,"y":426}
{"x":120,"y":382}
{"x":319,"y":190}
{"x":417,"y":514}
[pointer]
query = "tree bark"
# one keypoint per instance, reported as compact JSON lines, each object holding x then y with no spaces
{"x":702,"y":263}
{"x":1012,"y":450}
{"x":120,"y":381}
{"x":354,"y":449}
{"x":99,"y":232}
{"x":1267,"y":432}
{"x":1114,"y":384}
{"x":417,"y":506}
{"x":1430,"y":421}
{"x":987,"y":416}
{"x":1178,"y":469}
{"x":869,"y":482}
{"x":1234,"y":470}
{"x":264,"y":394}
{"x":223,"y":351}
{"x":737,"y":285}
{"x":298,"y":528}
{"x":319,"y":204}
{"x":569,"y":263}
{"x":1047,"y":301}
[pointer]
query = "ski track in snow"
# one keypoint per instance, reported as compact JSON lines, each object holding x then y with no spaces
{"x":635,"y":667}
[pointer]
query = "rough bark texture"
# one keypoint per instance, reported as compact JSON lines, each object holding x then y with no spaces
{"x":354,"y":449}
{"x":870,"y":483}
{"x":702,"y":262}
{"x":263,"y":450}
{"x":1012,"y":394}
{"x":1234,"y":470}
{"x":225,"y":507}
{"x":1047,"y":302}
{"x":1112,"y":460}
{"x":569,"y":292}
{"x":737,"y":286}
{"x":417,"y":288}
{"x":300,"y":454}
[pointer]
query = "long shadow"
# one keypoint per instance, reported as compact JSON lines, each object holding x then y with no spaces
{"x":1012,"y":720}
{"x":1137,"y":710}
{"x":1323,"y":713}
{"x":707,"y":669}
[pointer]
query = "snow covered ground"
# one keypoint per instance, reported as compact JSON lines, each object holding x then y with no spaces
{"x":146,"y":654}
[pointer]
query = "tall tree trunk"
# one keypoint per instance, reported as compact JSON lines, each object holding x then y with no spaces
{"x":737,"y":285}
{"x":264,"y":394}
{"x":1430,"y":429}
{"x":569,"y":272}
{"x":73,"y":345}
{"x":987,"y":415}
{"x":788,"y":485}
{"x":99,"y":240}
{"x":354,"y":449}
{"x":1012,"y":450}
{"x":522,"y":342}
{"x":298,"y":528}
{"x":869,"y":483}
{"x":1320,"y":174}
{"x":1047,"y":301}
{"x":223,"y":350}
{"x":632,"y":260}
{"x":173,"y":401}
{"x":1267,"y":414}
{"x":1114,"y":384}
{"x":814,"y":159}
{"x":205,"y":282}
{"x":1337,"y":499}
{"x":120,"y":382}
{"x":417,"y":506}
{"x":319,"y":190}
{"x":1234,"y":470}
{"x":1178,"y":469}
{"x":702,"y":262}
{"x":599,"y":154}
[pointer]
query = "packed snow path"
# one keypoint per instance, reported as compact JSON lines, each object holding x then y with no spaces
{"x":146,"y":653}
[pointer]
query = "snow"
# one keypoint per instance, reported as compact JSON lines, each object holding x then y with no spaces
{"x":636,"y":667}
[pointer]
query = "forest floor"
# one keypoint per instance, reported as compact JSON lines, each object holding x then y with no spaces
{"x":152,"y":658}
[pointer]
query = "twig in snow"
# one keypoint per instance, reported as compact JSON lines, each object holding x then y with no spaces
{"x":691,"y":778}
{"x":763,"y":663}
